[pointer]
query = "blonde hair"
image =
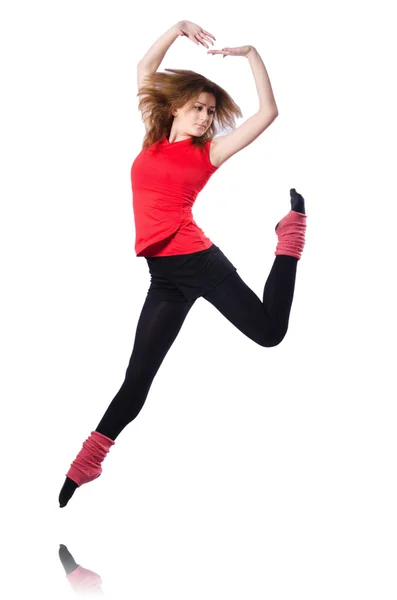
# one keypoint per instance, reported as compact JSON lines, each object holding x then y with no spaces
{"x":164,"y":93}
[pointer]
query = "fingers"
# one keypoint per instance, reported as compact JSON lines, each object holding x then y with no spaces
{"x":224,"y":52}
{"x":209,"y":34}
{"x":201,"y":37}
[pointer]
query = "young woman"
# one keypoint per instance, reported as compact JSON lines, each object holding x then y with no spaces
{"x":178,"y":157}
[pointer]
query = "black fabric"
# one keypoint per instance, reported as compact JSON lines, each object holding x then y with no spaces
{"x":187,"y":276}
{"x":158,"y":325}
{"x":266,"y":323}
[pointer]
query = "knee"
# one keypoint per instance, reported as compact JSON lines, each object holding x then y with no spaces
{"x":270,"y":341}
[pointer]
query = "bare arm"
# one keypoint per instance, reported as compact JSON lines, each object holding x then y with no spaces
{"x":225,"y":146}
{"x":153,"y":57}
{"x":267,"y":103}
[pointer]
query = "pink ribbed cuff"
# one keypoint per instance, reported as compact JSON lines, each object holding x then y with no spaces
{"x":291,"y":235}
{"x":87,"y":465}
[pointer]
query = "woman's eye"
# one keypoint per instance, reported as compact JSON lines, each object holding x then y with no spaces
{"x":211,"y":113}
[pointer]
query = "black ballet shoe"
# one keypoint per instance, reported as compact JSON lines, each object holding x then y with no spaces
{"x":297,"y":203}
{"x":67,"y":491}
{"x":87,"y":465}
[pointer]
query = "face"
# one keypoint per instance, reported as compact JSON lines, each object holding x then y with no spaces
{"x":188,"y":118}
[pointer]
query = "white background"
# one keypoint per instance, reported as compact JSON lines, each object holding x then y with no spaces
{"x":250,"y":472}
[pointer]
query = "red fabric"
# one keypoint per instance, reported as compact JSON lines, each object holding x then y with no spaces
{"x":166,"y":179}
{"x":291,"y":235}
{"x":87,"y":464}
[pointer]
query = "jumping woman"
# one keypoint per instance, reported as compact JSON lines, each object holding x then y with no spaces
{"x":179,"y":155}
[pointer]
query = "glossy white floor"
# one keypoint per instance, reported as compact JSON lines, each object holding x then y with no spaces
{"x":250,"y":473}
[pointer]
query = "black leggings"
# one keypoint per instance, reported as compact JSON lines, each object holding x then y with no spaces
{"x":160,"y":322}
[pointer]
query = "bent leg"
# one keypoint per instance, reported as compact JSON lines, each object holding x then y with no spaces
{"x":266,"y":322}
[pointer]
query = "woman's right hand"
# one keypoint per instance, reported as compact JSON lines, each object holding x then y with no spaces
{"x":195,"y":33}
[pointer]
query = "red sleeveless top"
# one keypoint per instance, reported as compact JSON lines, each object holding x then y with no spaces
{"x":165,"y":180}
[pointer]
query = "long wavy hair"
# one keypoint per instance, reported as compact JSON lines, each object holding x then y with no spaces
{"x":163,"y":93}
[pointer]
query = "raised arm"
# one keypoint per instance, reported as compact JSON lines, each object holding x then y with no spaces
{"x":149,"y":64}
{"x":267,"y":103}
{"x":226,"y":146}
{"x":153,"y":57}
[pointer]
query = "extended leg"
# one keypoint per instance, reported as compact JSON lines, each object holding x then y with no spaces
{"x":158,"y":326}
{"x":157,"y":329}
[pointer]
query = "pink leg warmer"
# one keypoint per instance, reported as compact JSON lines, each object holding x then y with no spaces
{"x":291,"y":234}
{"x":83,"y":580}
{"x":87,"y":465}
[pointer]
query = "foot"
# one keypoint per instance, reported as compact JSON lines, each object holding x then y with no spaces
{"x":297,"y":203}
{"x":291,"y":232}
{"x":67,"y":491}
{"x":87,"y":465}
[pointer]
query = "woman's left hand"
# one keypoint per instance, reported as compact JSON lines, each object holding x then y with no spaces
{"x":240,"y":51}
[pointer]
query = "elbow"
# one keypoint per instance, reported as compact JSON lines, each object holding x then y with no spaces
{"x":267,"y":118}
{"x":269,"y":114}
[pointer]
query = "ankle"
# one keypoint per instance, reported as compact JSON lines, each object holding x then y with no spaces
{"x":291,"y":235}
{"x":87,"y":465}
